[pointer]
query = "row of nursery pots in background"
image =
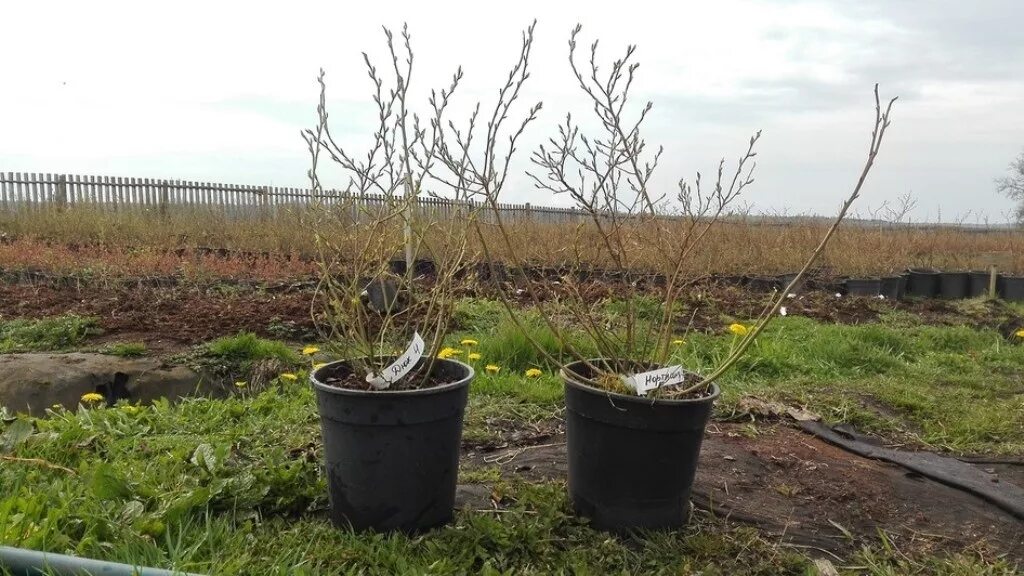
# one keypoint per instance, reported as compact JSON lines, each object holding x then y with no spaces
{"x":915,"y":283}
{"x":935,"y":284}
{"x":392,"y":456}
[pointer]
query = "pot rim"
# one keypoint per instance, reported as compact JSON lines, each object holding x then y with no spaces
{"x":572,"y":381}
{"x":318,"y":385}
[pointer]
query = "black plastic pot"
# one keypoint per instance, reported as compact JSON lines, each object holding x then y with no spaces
{"x":954,"y":285}
{"x":383,"y":295}
{"x":763,"y":283}
{"x":654,"y":280}
{"x":421,"y":267}
{"x":1011,"y":288}
{"x":583,"y":274}
{"x":397,"y":266}
{"x":731,"y":280}
{"x":392,"y":457}
{"x":922,"y":283}
{"x":831,"y":285}
{"x":632,"y":460}
{"x":863,"y":286}
{"x":496,"y":271}
{"x":978,"y":284}
{"x":892,"y":287}
{"x":785,"y":279}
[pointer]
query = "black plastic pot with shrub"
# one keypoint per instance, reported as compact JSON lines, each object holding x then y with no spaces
{"x":730,"y":279}
{"x":1011,"y":288}
{"x":397,"y":266}
{"x":922,"y":283}
{"x":491,"y":271}
{"x":392,"y":456}
{"x":863,"y":286}
{"x":786,"y":279}
{"x":762,"y":283}
{"x":831,"y":285}
{"x":954,"y":285}
{"x":893,"y":287}
{"x":632,"y":460}
{"x":978,"y":283}
{"x":424,"y":267}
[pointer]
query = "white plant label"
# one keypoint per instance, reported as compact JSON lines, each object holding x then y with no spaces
{"x":644,"y":382}
{"x":399,"y":367}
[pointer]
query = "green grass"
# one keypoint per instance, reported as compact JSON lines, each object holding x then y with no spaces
{"x":510,"y":347}
{"x":477,"y":314}
{"x":46,"y":334}
{"x":234,"y":486}
{"x":247,"y":347}
{"x":126,"y":349}
{"x":229,"y":487}
{"x":953,"y":387}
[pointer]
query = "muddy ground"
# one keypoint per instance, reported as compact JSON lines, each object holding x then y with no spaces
{"x":169,"y":315}
{"x":174,"y":316}
{"x":800,"y":490}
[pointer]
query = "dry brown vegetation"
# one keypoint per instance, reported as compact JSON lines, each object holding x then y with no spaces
{"x":134,"y":243}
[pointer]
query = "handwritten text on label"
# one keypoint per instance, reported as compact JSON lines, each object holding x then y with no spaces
{"x":400,"y":367}
{"x":644,"y":382}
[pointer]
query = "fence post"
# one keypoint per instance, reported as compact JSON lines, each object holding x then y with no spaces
{"x":163,"y":198}
{"x":264,"y":195}
{"x":60,"y":192}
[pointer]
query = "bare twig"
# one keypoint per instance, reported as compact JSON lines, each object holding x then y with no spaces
{"x":38,"y":462}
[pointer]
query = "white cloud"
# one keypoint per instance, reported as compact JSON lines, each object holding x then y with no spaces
{"x":216,"y":87}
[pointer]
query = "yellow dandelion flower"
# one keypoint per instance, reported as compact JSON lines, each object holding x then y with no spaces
{"x":533,"y":372}
{"x":469,"y":342}
{"x":1019,"y":333}
{"x":289,"y":376}
{"x":738,"y":329}
{"x":474,"y":356}
{"x":92,"y":398}
{"x":448,"y":352}
{"x":492,"y":368}
{"x":310,"y":350}
{"x":678,"y":342}
{"x":241,"y":384}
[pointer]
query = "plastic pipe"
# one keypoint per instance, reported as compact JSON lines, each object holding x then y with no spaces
{"x":22,"y":562}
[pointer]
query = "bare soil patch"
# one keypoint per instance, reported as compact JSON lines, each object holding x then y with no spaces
{"x":806,"y":492}
{"x":181,"y":315}
{"x":167,"y":314}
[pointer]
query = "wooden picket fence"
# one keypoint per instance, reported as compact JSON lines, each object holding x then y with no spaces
{"x":31,"y":191}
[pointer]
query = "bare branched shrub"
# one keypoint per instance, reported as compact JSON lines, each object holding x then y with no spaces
{"x":606,"y":171}
{"x":371,"y":234}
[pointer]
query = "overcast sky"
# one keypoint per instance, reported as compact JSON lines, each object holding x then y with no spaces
{"x":219,"y":91}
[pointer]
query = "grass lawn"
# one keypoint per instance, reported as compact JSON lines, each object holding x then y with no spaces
{"x":233,"y":486}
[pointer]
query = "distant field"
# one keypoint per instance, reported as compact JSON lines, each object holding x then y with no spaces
{"x":138,"y":242}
